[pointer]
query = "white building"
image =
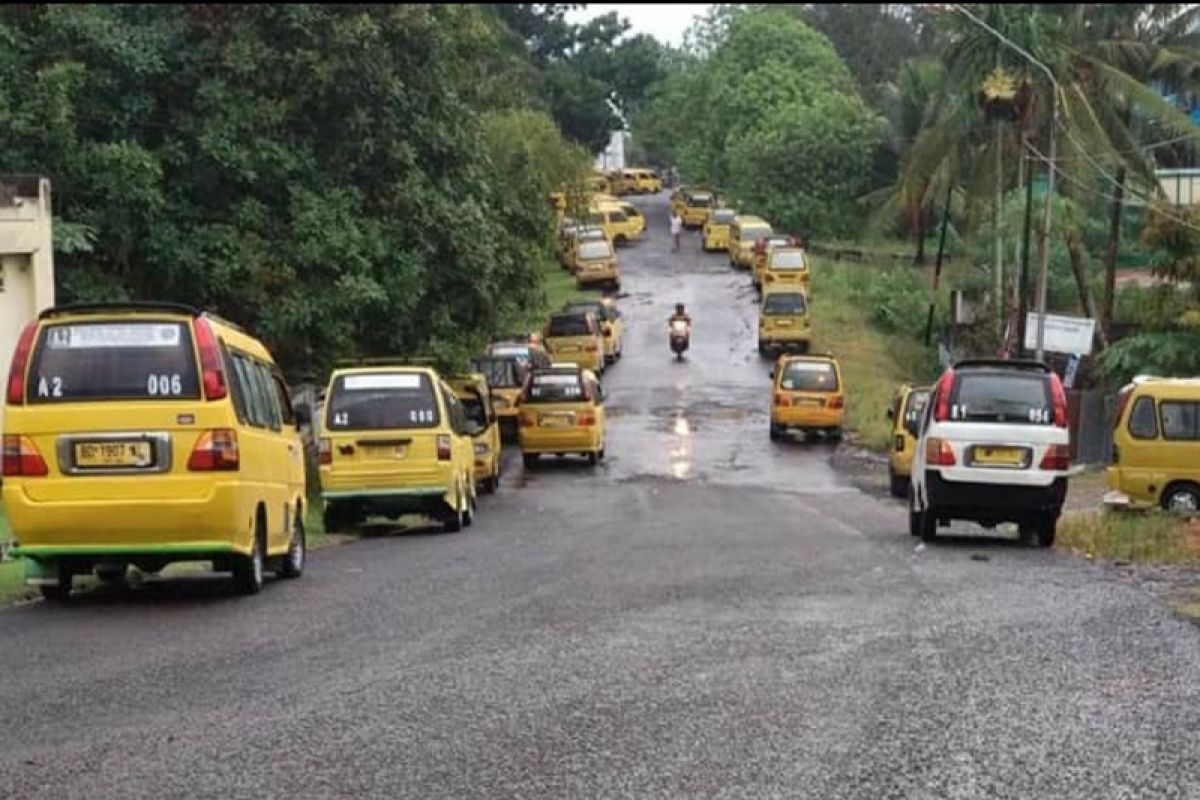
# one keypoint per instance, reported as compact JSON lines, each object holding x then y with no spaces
{"x":613,"y":156}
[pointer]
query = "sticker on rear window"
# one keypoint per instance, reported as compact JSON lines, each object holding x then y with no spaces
{"x":394,"y":381}
{"x":82,"y":337}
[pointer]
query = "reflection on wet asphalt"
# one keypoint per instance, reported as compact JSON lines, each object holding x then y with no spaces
{"x":703,"y":418}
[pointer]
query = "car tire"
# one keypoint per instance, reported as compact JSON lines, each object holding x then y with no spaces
{"x":1047,"y":530}
{"x":490,"y":485}
{"x":620,"y":241}
{"x":292,"y":564}
{"x":1182,"y":498}
{"x":762,"y":348}
{"x":112,"y":574}
{"x":835,"y":434}
{"x":897,"y":484}
{"x":922,"y":523}
{"x":61,"y":591}
{"x":593,"y":459}
{"x":776,"y":433}
{"x":248,"y":570}
{"x":452,"y":519}
{"x":334,"y":518}
{"x":530,"y":460}
{"x":802,"y":348}
{"x":469,"y":514}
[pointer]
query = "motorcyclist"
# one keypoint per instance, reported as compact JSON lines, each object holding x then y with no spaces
{"x":680,"y":314}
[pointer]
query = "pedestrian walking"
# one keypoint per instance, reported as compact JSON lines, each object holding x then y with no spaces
{"x":676,"y":229}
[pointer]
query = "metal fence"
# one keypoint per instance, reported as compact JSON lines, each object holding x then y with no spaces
{"x":1091,"y":412}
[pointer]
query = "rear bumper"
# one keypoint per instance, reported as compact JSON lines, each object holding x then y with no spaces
{"x":808,"y":417}
{"x":991,"y":503}
{"x":577,"y":440}
{"x":393,"y":502}
{"x":773,"y":335}
{"x":592,"y":277}
{"x":592,"y":361}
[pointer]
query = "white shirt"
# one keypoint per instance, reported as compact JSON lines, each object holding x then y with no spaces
{"x":676,"y":224}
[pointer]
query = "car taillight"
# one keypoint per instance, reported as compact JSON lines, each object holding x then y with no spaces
{"x":324,"y":451}
{"x":769,"y":278}
{"x":782,"y":400}
{"x":941,"y":411}
{"x":213,"y":372}
{"x":20,"y":363}
{"x":1057,"y":458}
{"x":528,"y":420}
{"x":939,"y":453}
{"x":585,"y":420}
{"x":837,"y":401}
{"x":443,"y":447}
{"x":592,"y":347}
{"x":1060,"y":401}
{"x":21,"y":457}
{"x":216,"y":451}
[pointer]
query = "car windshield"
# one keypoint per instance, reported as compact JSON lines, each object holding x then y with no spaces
{"x":382,"y":400}
{"x":569,"y":325}
{"x":114,"y":361}
{"x":554,"y":387}
{"x":784,"y":303}
{"x":599,"y":309}
{"x":809,"y":376}
{"x":502,"y":373}
{"x":754,"y":234}
{"x":594,"y":251}
{"x":1002,"y":396}
{"x":788,"y":259}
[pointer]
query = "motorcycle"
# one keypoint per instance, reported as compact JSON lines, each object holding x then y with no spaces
{"x":680,"y":337}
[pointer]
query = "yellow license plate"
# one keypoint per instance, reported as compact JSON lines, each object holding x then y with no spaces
{"x":92,"y":455}
{"x":556,"y":422}
{"x":388,"y":450}
{"x":783,"y":323}
{"x":1000,"y":456}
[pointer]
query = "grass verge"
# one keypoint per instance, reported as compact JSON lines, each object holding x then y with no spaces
{"x":1130,"y":536}
{"x":558,"y":286}
{"x":874,"y":361}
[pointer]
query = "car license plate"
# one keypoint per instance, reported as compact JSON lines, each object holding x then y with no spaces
{"x":783,"y":323}
{"x":556,"y":421}
{"x":387,"y":450}
{"x":100,"y":455}
{"x":810,"y":401}
{"x":567,"y":348}
{"x":999,"y":456}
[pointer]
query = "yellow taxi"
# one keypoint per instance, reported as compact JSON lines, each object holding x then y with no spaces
{"x":715,"y":235}
{"x":807,"y":395}
{"x":743,"y":233}
{"x":147,"y":433}
{"x":598,"y":184}
{"x":636,"y":219}
{"x":575,"y":337}
{"x":562,"y":412}
{"x":783,"y":320}
{"x":505,"y":374}
{"x":762,"y":250}
{"x":905,"y":414}
{"x":576,"y":236}
{"x":1156,"y":445}
{"x":677,"y":199}
{"x":618,"y":226}
{"x":787,"y":266}
{"x":697,"y":206}
{"x":611,"y":325}
{"x":644,"y":181}
{"x":595,"y":263}
{"x":474,"y":392}
{"x":395,"y":440}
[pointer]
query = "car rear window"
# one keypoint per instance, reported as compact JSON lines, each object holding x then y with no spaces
{"x":127,"y":360}
{"x":1005,"y":397}
{"x":599,"y":309}
{"x":723,"y":217}
{"x":788,"y":259}
{"x":809,"y":376}
{"x":382,"y":401}
{"x":554,"y":388}
{"x":473,"y":409}
{"x":569,"y":325}
{"x":753,"y":234}
{"x":589,"y":251}
{"x":700,"y":200}
{"x":503,"y":373}
{"x":784,"y":303}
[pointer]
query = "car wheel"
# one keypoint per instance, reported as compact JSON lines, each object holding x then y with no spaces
{"x":1047,"y":530}
{"x":762,"y":348}
{"x":530,"y":460}
{"x":61,"y":591}
{"x":1182,"y":499}
{"x":593,"y":459}
{"x":620,"y":241}
{"x":802,"y":348}
{"x":926,"y":524}
{"x":914,"y":517}
{"x":452,"y":521}
{"x":897,"y":484}
{"x":776,"y":432}
{"x":334,"y":517}
{"x":292,"y":564}
{"x":112,"y":574}
{"x":248,"y":570}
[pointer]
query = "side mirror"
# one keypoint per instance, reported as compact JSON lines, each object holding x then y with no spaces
{"x":891,"y":414}
{"x":772,"y":375}
{"x":303,"y":415}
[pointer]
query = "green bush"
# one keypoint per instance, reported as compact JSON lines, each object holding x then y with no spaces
{"x":1167,"y":354}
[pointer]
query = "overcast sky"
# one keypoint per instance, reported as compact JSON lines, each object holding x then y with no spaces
{"x":664,"y":21}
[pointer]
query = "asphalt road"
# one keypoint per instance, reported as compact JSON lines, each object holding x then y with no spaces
{"x":706,"y":615}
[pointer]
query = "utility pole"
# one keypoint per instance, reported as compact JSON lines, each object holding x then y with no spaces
{"x":1044,"y":267}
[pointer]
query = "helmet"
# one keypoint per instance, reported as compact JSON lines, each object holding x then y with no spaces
{"x":679,"y":308}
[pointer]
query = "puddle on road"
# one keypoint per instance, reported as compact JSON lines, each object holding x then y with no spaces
{"x":681,"y":452}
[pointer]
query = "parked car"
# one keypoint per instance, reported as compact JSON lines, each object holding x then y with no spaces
{"x":505,"y":376}
{"x":905,"y":413}
{"x":562,"y":412}
{"x":716,"y":230}
{"x":1156,"y":445}
{"x":745,"y":230}
{"x":786,"y":265}
{"x":783,"y":320}
{"x":595,"y":263}
{"x":147,"y":433}
{"x":808,"y":395}
{"x":611,"y":325}
{"x":993,"y":447}
{"x":475,"y":394}
{"x":697,"y":206}
{"x":575,"y":336}
{"x":763,"y":247}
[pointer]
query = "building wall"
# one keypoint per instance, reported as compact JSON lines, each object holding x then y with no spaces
{"x":26,"y":260}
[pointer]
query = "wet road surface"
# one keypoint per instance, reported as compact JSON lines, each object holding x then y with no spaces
{"x":706,"y":615}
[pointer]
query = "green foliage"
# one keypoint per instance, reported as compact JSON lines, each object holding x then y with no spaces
{"x":894,"y":298}
{"x":1164,"y":354}
{"x":767,"y":110}
{"x":342,"y":180}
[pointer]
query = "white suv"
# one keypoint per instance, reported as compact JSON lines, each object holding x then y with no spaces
{"x":993,"y":447}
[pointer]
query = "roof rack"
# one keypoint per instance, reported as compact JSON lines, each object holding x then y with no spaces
{"x":386,"y":361}
{"x":1013,"y":363}
{"x":129,"y":305}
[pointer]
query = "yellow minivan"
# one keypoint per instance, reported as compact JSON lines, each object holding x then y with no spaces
{"x":787,"y":266}
{"x":144,"y":434}
{"x":595,"y":264}
{"x":743,"y":233}
{"x":905,"y":413}
{"x":645,"y":181}
{"x":562,"y":412}
{"x":807,"y":395}
{"x":762,"y":251}
{"x":609,"y":316}
{"x":474,"y":392}
{"x":783,"y":320}
{"x":618,"y":227}
{"x":1156,"y":445}
{"x":716,"y":230}
{"x":697,"y":206}
{"x":505,"y":375}
{"x":575,"y":336}
{"x":395,"y":440}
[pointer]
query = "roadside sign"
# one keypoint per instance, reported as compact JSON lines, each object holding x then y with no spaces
{"x":1071,"y":335}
